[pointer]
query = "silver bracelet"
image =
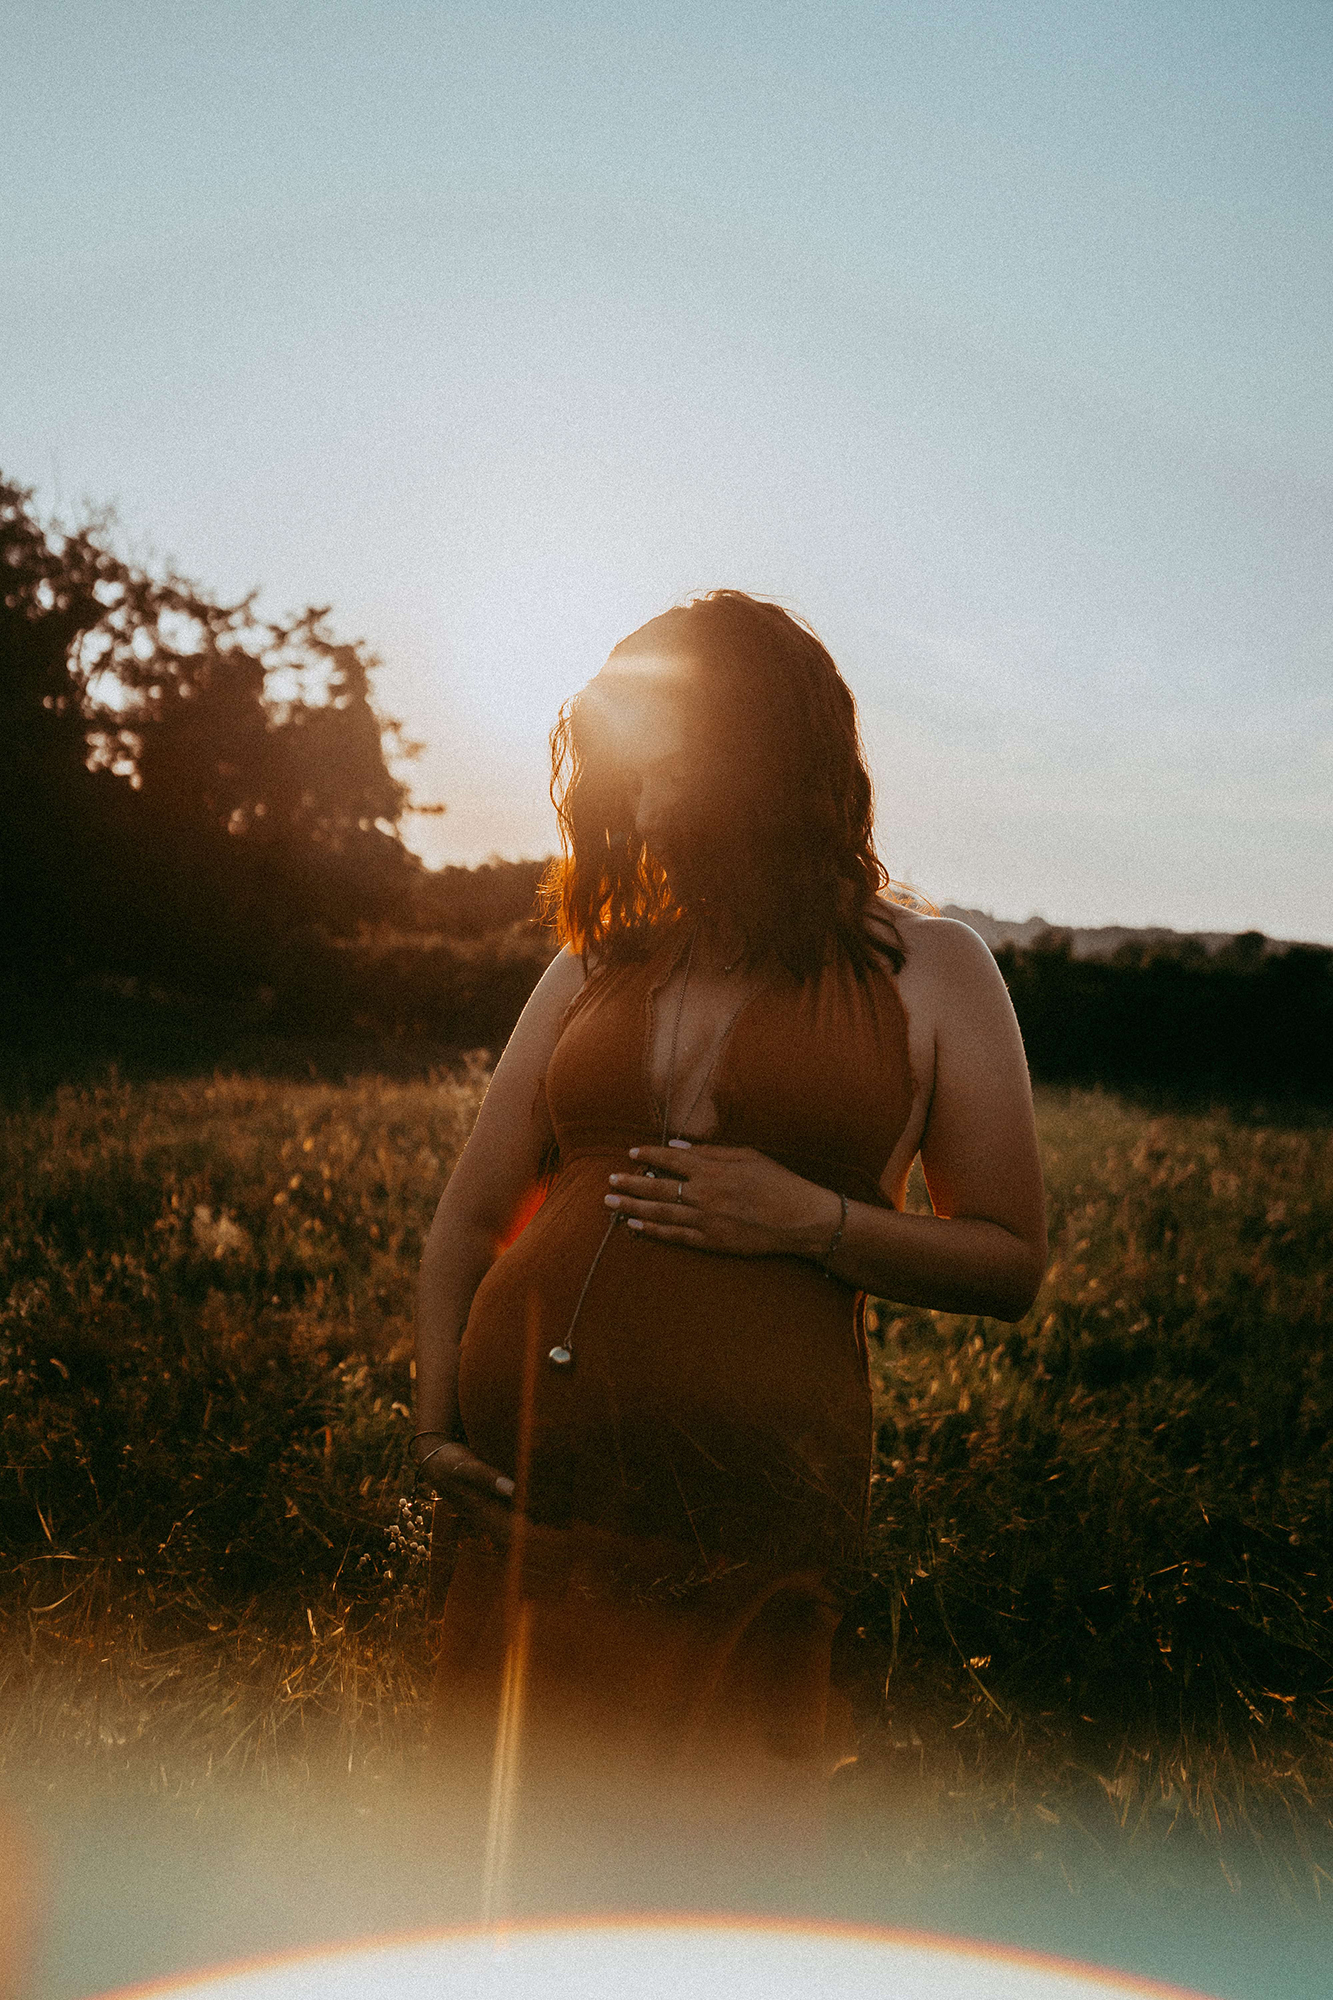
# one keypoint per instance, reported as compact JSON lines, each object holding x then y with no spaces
{"x":837,"y":1234}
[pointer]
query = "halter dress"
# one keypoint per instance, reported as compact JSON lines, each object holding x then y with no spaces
{"x":695,"y":1484}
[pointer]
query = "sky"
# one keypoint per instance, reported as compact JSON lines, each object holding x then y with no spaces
{"x":992,"y":338}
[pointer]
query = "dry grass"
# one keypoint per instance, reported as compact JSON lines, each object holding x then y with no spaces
{"x":99,"y":1701}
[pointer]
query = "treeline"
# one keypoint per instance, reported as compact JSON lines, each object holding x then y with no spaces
{"x":1245,"y":1024}
{"x":1244,"y":1027}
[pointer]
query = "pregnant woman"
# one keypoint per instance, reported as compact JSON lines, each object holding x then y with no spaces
{"x":648,"y":1406}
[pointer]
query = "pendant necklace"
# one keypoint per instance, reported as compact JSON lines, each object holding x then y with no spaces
{"x":562,"y":1354}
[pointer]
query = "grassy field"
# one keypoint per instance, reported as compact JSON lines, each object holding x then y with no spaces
{"x":1098,"y":1603}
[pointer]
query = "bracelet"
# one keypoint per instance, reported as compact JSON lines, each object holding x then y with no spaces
{"x":837,"y":1234}
{"x":426,"y":1458}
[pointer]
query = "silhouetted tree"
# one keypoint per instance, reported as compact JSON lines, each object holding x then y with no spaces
{"x":183,"y":784}
{"x":57,"y":809}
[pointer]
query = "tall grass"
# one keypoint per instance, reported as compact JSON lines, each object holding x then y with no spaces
{"x":1126,"y":1502}
{"x":1100,"y":1553}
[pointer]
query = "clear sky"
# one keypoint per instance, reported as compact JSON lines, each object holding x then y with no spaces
{"x":992,"y":337}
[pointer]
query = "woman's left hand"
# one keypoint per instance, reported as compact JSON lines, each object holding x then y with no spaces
{"x":725,"y":1198}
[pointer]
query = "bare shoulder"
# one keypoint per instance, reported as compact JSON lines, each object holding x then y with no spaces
{"x":931,"y":946}
{"x":538,"y":1026}
{"x":949,"y":983}
{"x":566,"y":972}
{"x":943,"y":948}
{"x":563,"y":978}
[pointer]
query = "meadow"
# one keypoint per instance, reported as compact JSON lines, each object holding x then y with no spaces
{"x":1097,"y":1608}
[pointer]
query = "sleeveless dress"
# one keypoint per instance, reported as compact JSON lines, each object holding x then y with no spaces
{"x":696,"y":1483}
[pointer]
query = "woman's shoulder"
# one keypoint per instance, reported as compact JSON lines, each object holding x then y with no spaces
{"x":933,"y":947}
{"x":571,"y":979}
{"x":551,"y":999}
{"x":565,"y":975}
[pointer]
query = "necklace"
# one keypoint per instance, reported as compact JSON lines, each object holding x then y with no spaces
{"x":675,"y":1037}
{"x":562,"y":1354}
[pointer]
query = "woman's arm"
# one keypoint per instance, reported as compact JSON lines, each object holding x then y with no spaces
{"x":984,"y":1248}
{"x":495,"y":1171}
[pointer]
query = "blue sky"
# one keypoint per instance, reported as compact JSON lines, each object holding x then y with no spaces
{"x":995,"y":339}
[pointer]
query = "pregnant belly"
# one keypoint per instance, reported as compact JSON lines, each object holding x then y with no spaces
{"x":719,"y":1400}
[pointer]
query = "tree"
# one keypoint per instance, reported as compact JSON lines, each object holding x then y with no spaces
{"x":183,"y":784}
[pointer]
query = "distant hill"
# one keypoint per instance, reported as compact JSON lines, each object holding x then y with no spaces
{"x":1102,"y":942}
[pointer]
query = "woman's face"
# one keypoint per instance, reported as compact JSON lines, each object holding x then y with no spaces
{"x":651,"y":717}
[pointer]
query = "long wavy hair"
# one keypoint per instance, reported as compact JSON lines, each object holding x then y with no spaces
{"x":775,"y":833}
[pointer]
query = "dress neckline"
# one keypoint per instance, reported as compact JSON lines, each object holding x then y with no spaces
{"x":653,"y":985}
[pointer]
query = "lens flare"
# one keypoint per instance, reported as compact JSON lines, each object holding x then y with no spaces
{"x":628,"y":1959}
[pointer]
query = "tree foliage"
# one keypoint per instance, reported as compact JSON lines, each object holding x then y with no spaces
{"x":1251,"y":1023}
{"x":185,"y":786}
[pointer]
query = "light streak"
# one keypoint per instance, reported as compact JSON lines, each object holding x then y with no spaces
{"x":506,"y":1764}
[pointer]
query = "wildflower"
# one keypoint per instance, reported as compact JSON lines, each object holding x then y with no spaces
{"x":217,"y":1236}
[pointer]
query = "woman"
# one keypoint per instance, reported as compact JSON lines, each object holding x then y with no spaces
{"x":651,"y":1405}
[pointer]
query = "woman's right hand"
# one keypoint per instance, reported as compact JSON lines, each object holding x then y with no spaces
{"x":458,"y":1474}
{"x":480,"y":1496}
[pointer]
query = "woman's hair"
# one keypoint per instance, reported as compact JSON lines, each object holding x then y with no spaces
{"x":776,"y":834}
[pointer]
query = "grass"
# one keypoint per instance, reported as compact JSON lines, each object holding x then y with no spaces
{"x":1096,"y":1612}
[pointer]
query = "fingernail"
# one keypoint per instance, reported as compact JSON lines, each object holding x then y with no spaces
{"x":634,"y":1152}
{"x":611,"y":1200}
{"x":682,"y":1144}
{"x":635,"y":1221}
{"x":614,"y":1179}
{"x":505,"y":1486}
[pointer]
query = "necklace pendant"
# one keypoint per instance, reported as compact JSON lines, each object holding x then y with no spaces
{"x":560,"y":1357}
